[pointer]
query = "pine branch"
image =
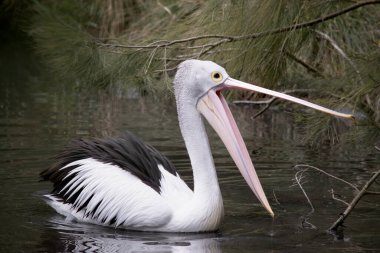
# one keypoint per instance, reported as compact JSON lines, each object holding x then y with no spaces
{"x":228,"y":39}
{"x":304,"y":64}
{"x":340,"y":52}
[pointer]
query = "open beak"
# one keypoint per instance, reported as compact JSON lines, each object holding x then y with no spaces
{"x":214,"y":108}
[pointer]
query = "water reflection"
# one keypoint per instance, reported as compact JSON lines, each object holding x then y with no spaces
{"x":74,"y":237}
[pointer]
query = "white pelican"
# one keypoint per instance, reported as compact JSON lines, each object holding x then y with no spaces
{"x":125,"y":183}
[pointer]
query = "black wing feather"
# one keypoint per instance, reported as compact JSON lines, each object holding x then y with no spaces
{"x":127,"y":152}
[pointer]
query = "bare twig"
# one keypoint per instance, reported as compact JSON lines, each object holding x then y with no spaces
{"x":166,"y":9}
{"x":275,"y":198}
{"x":166,"y":70}
{"x":304,"y":64}
{"x":265,"y":108}
{"x":353,"y":203}
{"x":335,"y":46}
{"x":164,"y":43}
{"x":304,"y":220}
{"x":350,"y":206}
{"x":334,"y":197}
{"x":306,"y":224}
{"x":180,"y":58}
{"x":340,"y":51}
{"x":376,"y":147}
{"x":372,"y":193}
{"x":297,"y":178}
{"x":328,"y":174}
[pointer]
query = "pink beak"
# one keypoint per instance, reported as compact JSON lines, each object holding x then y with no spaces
{"x":214,"y":108}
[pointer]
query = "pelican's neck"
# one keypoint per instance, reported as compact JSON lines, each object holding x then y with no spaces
{"x":198,"y":148}
{"x":205,"y":210}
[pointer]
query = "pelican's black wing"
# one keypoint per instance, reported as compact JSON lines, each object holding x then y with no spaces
{"x":127,"y":152}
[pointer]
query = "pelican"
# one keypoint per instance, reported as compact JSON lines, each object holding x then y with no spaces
{"x":124,"y":183}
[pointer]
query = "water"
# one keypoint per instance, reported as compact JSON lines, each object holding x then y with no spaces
{"x":39,"y":116}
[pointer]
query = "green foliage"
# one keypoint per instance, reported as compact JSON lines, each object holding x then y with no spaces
{"x":62,"y":37}
{"x":337,"y":58}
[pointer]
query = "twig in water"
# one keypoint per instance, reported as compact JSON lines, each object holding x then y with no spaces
{"x":304,"y":219}
{"x":306,"y":224}
{"x":328,"y":174}
{"x":275,"y":198}
{"x":334,"y":197}
{"x":344,"y":215}
{"x":297,"y":178}
{"x":350,"y":206}
{"x":372,"y":193}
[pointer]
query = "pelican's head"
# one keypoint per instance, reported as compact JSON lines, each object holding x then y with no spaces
{"x":195,"y":78}
{"x":199,"y":84}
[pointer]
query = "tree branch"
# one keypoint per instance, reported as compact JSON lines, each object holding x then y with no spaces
{"x":265,"y":108}
{"x":340,"y":51}
{"x":311,"y":22}
{"x":304,"y":64}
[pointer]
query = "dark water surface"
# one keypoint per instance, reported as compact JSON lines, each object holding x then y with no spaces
{"x":39,"y":116}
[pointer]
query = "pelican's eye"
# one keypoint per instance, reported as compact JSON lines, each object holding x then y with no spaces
{"x":216,"y":76}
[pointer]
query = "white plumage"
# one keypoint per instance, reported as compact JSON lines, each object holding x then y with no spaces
{"x":139,"y":208}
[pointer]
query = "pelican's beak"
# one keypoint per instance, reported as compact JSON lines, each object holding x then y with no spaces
{"x":231,"y":83}
{"x":214,"y":108}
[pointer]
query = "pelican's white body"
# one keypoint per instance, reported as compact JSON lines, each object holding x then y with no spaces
{"x":175,"y":209}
